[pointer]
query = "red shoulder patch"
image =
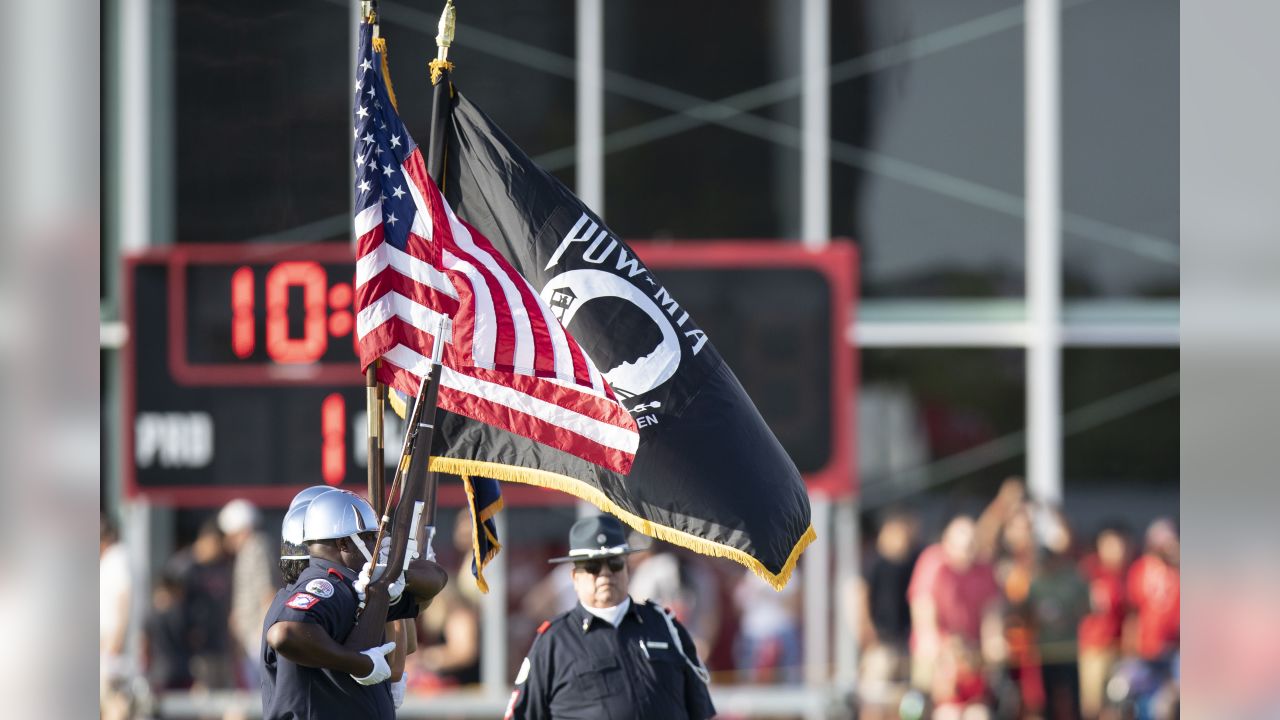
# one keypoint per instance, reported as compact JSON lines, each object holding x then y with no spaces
{"x":301,"y":601}
{"x":543,"y":627}
{"x":335,"y":572}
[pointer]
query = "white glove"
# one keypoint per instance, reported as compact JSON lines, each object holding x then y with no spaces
{"x":395,"y":589}
{"x":397,"y":690}
{"x":381,"y":670}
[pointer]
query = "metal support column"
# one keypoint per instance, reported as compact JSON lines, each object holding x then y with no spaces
{"x":817,"y":596}
{"x":590,"y":99}
{"x":134,"y":126}
{"x":493,"y":628}
{"x":590,"y":122}
{"x":1044,"y":256}
{"x":815,"y":142}
{"x":847,"y":571}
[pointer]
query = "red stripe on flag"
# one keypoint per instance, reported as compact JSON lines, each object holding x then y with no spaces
{"x":544,"y":352}
{"x":523,"y":424}
{"x":389,"y":280}
{"x":505,"y":338}
{"x":537,"y":430}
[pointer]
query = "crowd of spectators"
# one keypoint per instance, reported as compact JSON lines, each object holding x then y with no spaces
{"x":1007,"y":614}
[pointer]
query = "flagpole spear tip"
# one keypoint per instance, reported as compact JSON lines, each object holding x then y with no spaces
{"x":448,"y":21}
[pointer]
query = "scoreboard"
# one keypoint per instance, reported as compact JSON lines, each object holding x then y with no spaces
{"x":242,"y":379}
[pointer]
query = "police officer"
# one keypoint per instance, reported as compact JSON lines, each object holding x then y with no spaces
{"x":609,"y":657}
{"x":310,"y":672}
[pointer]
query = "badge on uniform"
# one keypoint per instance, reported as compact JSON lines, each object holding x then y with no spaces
{"x":302,"y":601}
{"x":320,"y":588}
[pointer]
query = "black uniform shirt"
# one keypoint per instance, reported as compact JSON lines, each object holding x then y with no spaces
{"x":322,"y":595}
{"x":583,"y":667}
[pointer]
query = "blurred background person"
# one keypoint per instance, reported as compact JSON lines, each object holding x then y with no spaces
{"x":1016,"y":565}
{"x":204,"y":571}
{"x":991,"y":527}
{"x":167,"y":661}
{"x":1101,"y":630}
{"x":449,"y":629}
{"x":767,"y":649}
{"x":953,"y":598}
{"x":115,"y":593}
{"x":960,"y":690}
{"x":680,"y":582}
{"x":1152,"y":630}
{"x":878,"y":604}
{"x":254,"y":580}
{"x":1057,"y":600}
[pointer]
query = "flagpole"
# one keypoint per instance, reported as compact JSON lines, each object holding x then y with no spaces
{"x":440,"y":68}
{"x":409,"y":482}
{"x":375,"y":392}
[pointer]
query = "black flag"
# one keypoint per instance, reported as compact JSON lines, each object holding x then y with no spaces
{"x":709,"y":474}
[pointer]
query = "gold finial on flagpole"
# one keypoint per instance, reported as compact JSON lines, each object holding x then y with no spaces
{"x":448,"y":20}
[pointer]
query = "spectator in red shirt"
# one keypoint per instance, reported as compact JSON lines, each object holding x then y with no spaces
{"x":951,"y":595}
{"x":1154,"y":594}
{"x":1102,"y":629}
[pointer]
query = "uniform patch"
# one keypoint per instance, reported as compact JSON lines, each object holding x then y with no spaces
{"x":320,"y":587}
{"x":301,"y":601}
{"x":524,"y":672}
{"x":543,"y":627}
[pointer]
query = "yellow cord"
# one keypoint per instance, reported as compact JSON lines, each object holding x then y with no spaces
{"x":380,"y":47}
{"x":438,"y":66}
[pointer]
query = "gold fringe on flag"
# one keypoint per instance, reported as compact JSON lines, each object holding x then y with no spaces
{"x":583,"y":491}
{"x":479,"y":524}
{"x":438,"y":66}
{"x":380,"y":47}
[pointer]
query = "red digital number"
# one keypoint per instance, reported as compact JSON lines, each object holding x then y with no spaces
{"x":311,"y":346}
{"x":242,"y":340}
{"x":333,"y":435}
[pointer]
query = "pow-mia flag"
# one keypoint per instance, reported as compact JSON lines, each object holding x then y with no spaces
{"x":709,"y":474}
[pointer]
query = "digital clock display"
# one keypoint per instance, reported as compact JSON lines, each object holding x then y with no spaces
{"x":242,"y":378}
{"x":296,"y":312}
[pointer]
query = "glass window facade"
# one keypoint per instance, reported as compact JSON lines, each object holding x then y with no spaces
{"x":1120,"y":149}
{"x":927,"y":145}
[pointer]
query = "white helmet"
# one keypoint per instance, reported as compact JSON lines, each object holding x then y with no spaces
{"x":291,"y":535}
{"x":338,"y":514}
{"x":307,"y":495}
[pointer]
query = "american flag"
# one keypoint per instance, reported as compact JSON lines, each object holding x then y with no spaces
{"x":507,"y":360}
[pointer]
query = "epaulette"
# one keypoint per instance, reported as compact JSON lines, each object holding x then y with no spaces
{"x":547,"y":625}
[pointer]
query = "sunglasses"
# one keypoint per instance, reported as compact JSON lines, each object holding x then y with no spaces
{"x":616,"y":564}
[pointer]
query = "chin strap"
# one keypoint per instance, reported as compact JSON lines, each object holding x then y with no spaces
{"x":364,"y":550}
